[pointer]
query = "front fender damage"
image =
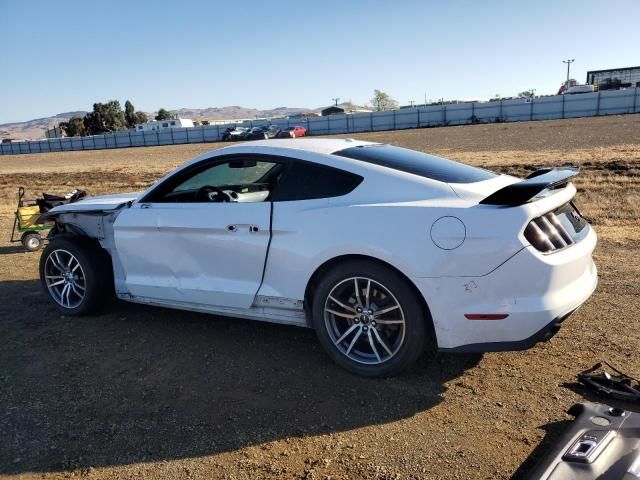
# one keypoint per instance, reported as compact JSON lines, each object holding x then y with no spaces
{"x":97,"y":225}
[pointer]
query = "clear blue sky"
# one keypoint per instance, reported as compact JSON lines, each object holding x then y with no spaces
{"x":58,"y":56}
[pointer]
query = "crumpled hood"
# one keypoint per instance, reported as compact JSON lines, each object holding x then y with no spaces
{"x":97,"y":203}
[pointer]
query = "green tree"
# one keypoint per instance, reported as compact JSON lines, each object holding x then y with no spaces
{"x":74,"y":127}
{"x":383,"y":101}
{"x":527,"y":94}
{"x":164,"y":115}
{"x":105,"y":117}
{"x":141,"y":117}
{"x":130,"y":114}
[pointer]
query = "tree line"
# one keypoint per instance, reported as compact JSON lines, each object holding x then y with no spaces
{"x":108,"y":117}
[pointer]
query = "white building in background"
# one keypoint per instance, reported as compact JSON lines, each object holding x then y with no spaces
{"x":164,"y":124}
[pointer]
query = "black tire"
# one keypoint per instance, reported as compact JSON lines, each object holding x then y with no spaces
{"x":96,"y":270}
{"x":31,"y":241}
{"x":415,"y":318}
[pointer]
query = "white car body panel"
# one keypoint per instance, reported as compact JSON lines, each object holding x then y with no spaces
{"x":201,"y":253}
{"x":183,"y":256}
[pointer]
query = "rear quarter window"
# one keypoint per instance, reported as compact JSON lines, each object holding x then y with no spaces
{"x":307,"y":181}
{"x":417,"y":163}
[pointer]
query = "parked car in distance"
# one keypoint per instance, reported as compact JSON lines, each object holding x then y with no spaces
{"x":257,"y":133}
{"x":292,"y":132}
{"x":234,"y":134}
{"x":383,"y":251}
{"x":271,"y":132}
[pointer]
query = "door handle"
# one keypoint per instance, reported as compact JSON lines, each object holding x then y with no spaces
{"x":234,"y":228}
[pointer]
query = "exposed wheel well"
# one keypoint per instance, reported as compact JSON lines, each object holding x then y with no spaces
{"x":74,"y":234}
{"x":329,"y":264}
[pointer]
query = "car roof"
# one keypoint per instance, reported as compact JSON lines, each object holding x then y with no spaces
{"x":315,"y":145}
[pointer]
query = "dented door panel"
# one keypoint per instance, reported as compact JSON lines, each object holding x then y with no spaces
{"x":201,"y":253}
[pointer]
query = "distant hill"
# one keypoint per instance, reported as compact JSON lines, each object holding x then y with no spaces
{"x":236,"y":112}
{"x":34,"y":129}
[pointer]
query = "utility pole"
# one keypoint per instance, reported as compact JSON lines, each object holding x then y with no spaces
{"x":568,"y":61}
{"x":411,"y":102}
{"x":336,"y":100}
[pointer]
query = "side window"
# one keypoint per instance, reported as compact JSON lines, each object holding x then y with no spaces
{"x":306,"y":181}
{"x":233,"y":180}
{"x":236,"y":172}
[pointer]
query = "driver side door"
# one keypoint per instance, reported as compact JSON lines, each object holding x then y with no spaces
{"x":181,"y":249}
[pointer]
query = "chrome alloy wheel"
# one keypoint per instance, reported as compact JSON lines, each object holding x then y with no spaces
{"x":364,"y":320}
{"x":65,"y":279}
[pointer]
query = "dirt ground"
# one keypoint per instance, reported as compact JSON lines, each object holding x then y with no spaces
{"x":138,"y":392}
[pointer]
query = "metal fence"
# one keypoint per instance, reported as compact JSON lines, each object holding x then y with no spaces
{"x":512,"y":110}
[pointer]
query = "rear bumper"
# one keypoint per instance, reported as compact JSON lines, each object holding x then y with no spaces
{"x":536,"y":291}
{"x":544,"y":334}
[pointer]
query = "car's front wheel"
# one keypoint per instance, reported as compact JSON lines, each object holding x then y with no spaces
{"x":76,"y":274}
{"x":369,"y":319}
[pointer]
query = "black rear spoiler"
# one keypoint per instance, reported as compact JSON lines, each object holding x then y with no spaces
{"x":521,"y":192}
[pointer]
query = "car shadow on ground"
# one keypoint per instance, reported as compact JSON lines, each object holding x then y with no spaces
{"x":145,"y":384}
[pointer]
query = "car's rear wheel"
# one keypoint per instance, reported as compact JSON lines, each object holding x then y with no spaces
{"x":369,"y":319}
{"x":76,"y":274}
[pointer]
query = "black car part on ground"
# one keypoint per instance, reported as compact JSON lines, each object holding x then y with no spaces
{"x":619,"y":385}
{"x":602,"y":442}
{"x":538,"y":181}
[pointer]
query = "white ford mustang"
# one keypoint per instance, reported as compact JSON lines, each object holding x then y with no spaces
{"x":380,"y":249}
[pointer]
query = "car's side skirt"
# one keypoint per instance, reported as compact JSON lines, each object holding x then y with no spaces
{"x":287,"y":316}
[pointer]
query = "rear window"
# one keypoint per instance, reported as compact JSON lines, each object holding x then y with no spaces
{"x":418,"y":163}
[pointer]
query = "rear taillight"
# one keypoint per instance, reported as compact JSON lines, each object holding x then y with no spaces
{"x":556,"y":230}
